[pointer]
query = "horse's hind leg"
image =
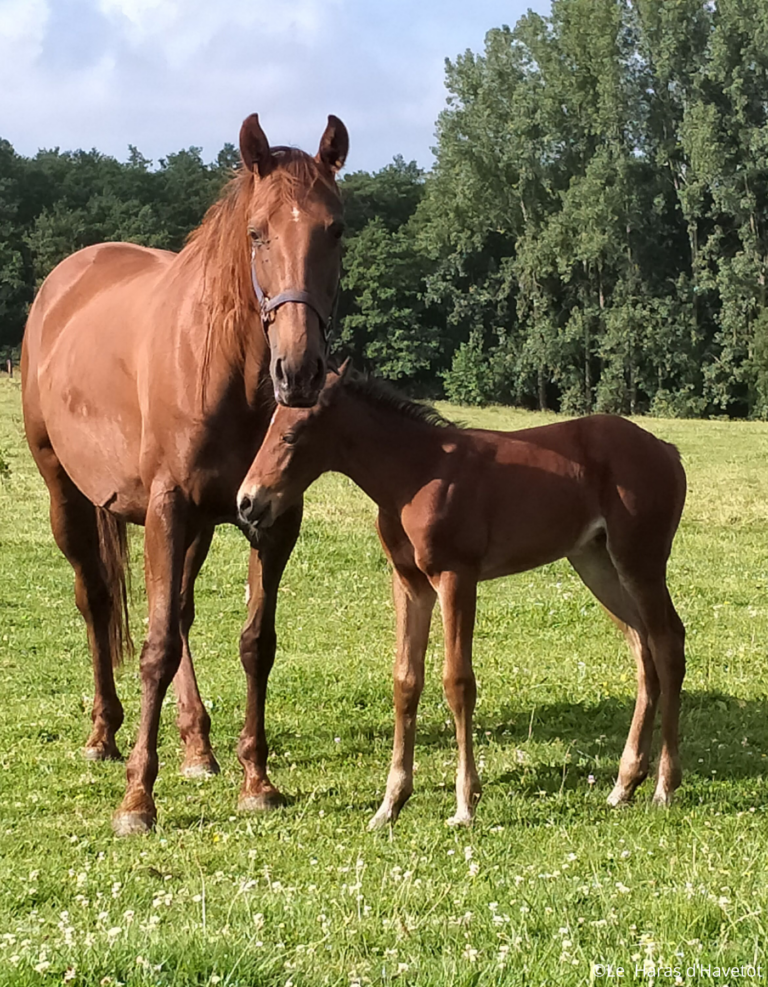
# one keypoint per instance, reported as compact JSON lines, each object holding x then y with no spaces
{"x":193,"y":719}
{"x":598,"y":573}
{"x":75,"y":529}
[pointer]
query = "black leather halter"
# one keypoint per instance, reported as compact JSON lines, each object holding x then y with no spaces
{"x":269,"y":305}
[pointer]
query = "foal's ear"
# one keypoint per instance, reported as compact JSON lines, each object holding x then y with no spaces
{"x":333,"y":380}
{"x":254,"y":146}
{"x":334,"y":145}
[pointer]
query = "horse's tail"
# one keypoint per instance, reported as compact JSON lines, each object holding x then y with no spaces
{"x":113,"y":549}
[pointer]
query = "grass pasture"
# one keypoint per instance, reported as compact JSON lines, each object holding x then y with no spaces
{"x":548,"y":887}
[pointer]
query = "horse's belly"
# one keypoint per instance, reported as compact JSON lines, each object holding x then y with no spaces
{"x":89,"y":400}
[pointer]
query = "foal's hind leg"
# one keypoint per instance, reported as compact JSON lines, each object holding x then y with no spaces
{"x":597,"y":571}
{"x":193,"y":719}
{"x":666,"y":639}
{"x":258,"y":643}
{"x":73,"y":521}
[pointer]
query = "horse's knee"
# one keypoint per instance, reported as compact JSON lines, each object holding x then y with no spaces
{"x":160,"y":658}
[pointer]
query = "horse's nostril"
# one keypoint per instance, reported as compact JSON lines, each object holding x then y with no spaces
{"x":279,"y":373}
{"x":245,"y":505}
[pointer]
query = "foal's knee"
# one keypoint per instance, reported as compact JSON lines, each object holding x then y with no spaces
{"x":409,"y":685}
{"x":460,"y":689}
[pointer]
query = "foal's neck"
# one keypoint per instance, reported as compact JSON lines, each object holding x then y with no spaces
{"x":387,"y":454}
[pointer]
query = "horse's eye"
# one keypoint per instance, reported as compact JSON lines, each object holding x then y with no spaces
{"x":290,"y":438}
{"x":258,"y":238}
{"x":336,"y":230}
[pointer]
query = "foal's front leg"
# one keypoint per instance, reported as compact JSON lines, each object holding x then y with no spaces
{"x":458,"y":602}
{"x":258,"y":642}
{"x":414,"y":601}
{"x":163,"y":562}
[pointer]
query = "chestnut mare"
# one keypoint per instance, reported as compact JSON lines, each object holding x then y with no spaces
{"x":146,"y":391}
{"x":460,"y":505}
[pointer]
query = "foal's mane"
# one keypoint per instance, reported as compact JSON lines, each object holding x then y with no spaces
{"x":377,"y":393}
{"x":220,"y":246}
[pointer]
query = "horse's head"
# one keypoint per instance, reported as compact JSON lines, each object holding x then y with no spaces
{"x":294,"y":224}
{"x":298,"y":447}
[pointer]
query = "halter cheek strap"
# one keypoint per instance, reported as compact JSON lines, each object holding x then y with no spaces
{"x":269,"y":305}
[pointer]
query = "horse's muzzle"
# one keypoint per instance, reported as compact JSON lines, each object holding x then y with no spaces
{"x":299,"y":389}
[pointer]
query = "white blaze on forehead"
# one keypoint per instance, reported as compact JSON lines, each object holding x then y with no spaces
{"x":295,"y":214}
{"x":272,"y":419}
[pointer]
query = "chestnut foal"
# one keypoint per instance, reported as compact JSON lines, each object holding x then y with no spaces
{"x":460,"y":505}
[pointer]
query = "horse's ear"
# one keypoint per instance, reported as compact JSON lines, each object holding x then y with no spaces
{"x":334,"y":145}
{"x":254,"y":146}
{"x":345,"y":367}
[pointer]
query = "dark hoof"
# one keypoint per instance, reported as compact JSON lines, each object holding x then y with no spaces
{"x":134,"y":823}
{"x":199,"y":768}
{"x":103,"y":751}
{"x":263,"y":802}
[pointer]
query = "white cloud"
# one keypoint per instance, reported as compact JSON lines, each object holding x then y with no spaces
{"x":182,"y":29}
{"x":23,"y":25}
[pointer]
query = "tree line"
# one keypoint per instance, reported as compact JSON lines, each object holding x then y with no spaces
{"x":592,"y":236}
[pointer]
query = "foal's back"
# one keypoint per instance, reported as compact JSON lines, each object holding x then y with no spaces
{"x":511,"y":501}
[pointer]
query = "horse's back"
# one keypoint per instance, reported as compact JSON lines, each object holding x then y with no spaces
{"x":84,"y":337}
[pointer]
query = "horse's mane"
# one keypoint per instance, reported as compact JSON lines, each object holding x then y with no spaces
{"x":220,"y":247}
{"x":379,"y":394}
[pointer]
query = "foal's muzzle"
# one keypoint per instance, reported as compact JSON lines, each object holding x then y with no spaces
{"x":254,"y":511}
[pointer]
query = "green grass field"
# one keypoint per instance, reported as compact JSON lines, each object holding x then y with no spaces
{"x":549,"y":883}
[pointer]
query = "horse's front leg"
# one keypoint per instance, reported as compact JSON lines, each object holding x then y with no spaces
{"x":270,"y":553}
{"x":414,"y":601}
{"x":458,"y":601}
{"x":164,"y":544}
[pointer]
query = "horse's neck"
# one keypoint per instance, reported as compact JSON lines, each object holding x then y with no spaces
{"x":387,"y":454}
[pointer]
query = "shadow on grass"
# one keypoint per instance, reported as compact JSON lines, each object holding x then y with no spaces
{"x":721,"y":735}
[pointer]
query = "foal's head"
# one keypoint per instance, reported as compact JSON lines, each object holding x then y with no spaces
{"x":294,"y":224}
{"x":296,"y":450}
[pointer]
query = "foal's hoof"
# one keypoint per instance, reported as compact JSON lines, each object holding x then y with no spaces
{"x":198,"y":768}
{"x":102,"y":751}
{"x":135,"y":823}
{"x":264,"y":801}
{"x":386,"y":816}
{"x":461,"y":819}
{"x":662,"y":798}
{"x":621,"y":795}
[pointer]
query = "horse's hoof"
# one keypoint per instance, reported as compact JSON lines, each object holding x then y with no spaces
{"x":200,"y":768}
{"x":103,"y":751}
{"x":263,"y":802}
{"x":461,"y":819}
{"x":134,"y":823}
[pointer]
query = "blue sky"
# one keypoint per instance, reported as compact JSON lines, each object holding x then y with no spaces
{"x":167,"y":74}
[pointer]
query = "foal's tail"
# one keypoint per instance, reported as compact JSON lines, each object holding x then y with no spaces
{"x":113,"y":549}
